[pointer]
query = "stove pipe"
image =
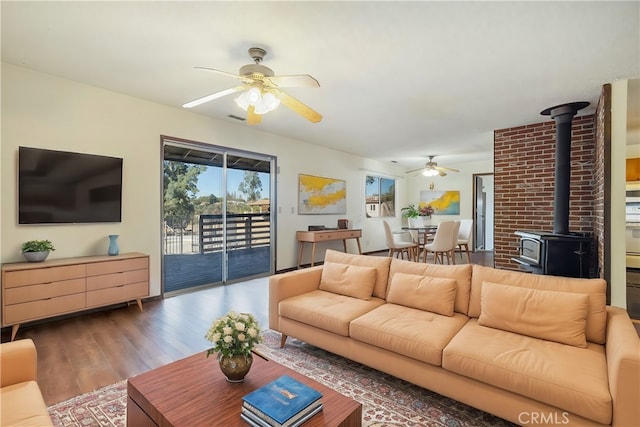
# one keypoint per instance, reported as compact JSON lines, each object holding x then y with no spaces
{"x":563,"y":116}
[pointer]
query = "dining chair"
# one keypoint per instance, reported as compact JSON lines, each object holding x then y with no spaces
{"x":399,"y":248}
{"x":464,"y":237}
{"x":416,"y":236}
{"x":444,"y":243}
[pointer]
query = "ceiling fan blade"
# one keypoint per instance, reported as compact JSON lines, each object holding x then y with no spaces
{"x":297,"y":106}
{"x":415,"y":170}
{"x":211,"y":97}
{"x":442,"y":173}
{"x":252,"y":117}
{"x":447,"y":169}
{"x":298,"y":80}
{"x":224,"y":73}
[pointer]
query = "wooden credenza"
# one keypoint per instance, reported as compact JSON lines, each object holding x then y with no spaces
{"x":32,"y":291}
{"x":314,"y":237}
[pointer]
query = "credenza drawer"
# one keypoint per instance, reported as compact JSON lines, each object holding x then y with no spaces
{"x":108,"y":267}
{"x":43,"y":291}
{"x":34,"y":291}
{"x":33,"y":310}
{"x":116,"y":279}
{"x":43,"y":275}
{"x":117,"y":294}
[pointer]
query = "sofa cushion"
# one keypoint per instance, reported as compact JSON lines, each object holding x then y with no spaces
{"x":326,"y":310}
{"x":595,"y":288}
{"x":461,"y":273}
{"x":350,"y":280}
{"x":423,"y":292}
{"x":567,"y":377}
{"x":414,"y":333}
{"x":550,"y":315}
{"x":381,"y":264}
{"x":22,"y":405}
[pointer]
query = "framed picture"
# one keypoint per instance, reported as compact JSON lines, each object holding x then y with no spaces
{"x":380,"y":196}
{"x":318,"y":195}
{"x":442,"y":202}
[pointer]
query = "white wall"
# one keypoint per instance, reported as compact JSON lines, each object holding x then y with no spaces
{"x":461,"y":181}
{"x":45,"y":111}
{"x":618,"y":181}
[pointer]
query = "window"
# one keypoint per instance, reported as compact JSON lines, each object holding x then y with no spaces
{"x":380,"y":196}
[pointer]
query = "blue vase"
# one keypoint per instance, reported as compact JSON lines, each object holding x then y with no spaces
{"x":113,"y":245}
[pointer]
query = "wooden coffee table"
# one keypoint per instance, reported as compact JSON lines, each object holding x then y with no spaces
{"x":193,"y":392}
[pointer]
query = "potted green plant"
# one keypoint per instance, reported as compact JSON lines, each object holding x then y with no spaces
{"x":37,"y":250}
{"x":410,"y":211}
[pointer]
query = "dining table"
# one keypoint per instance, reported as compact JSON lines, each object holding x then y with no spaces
{"x":427,"y":231}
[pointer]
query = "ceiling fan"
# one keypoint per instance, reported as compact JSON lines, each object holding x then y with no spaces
{"x":262,"y":90}
{"x":431,"y":168}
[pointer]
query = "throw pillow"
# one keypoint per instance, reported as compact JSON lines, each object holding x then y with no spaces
{"x":433,"y":294}
{"x":350,"y":280}
{"x":549,"y":315}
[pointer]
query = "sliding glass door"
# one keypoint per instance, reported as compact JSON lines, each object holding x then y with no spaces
{"x":217,"y":222}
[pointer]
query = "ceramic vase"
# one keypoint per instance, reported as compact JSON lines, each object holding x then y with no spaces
{"x":113,"y":245}
{"x":235,"y":367}
{"x":36,"y":256}
{"x":416,"y":222}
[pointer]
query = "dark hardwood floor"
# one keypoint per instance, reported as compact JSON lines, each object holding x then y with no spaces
{"x":81,"y":353}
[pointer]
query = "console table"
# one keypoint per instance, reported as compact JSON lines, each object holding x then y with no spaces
{"x":38,"y":290}
{"x":314,"y":237}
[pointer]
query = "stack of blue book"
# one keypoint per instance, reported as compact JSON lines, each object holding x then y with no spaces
{"x":284,"y":402}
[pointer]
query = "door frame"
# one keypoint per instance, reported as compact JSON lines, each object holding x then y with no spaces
{"x":181,"y":142}
{"x":487,"y":224}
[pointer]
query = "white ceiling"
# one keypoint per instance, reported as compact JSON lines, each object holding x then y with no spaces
{"x":399,"y":80}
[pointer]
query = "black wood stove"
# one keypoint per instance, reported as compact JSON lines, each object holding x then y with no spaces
{"x":558,"y":253}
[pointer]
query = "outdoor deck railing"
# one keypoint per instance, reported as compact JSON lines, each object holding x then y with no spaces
{"x":204,"y":233}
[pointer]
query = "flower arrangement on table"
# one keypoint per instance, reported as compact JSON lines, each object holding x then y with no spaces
{"x":412,"y":211}
{"x":234,"y":334}
{"x":426,"y":210}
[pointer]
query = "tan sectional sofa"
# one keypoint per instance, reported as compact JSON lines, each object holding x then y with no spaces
{"x":532,"y":349}
{"x":21,"y":403}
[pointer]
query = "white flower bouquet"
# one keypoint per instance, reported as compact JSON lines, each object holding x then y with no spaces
{"x":234,"y":334}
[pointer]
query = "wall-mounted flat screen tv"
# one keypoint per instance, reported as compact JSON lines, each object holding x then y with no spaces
{"x":58,"y":187}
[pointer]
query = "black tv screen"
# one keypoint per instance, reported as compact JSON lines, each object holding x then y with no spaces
{"x":56,"y":187}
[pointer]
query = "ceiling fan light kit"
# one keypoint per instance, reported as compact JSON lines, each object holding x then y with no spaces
{"x":430,"y":172}
{"x":261,"y":90}
{"x":263,"y":103}
{"x":431,"y":169}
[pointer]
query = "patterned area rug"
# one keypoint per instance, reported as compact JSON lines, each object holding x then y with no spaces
{"x":387,"y":401}
{"x":106,"y":406}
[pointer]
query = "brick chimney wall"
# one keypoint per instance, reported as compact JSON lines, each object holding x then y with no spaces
{"x":524,"y":174}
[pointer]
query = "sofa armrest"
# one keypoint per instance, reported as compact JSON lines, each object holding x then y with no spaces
{"x":623,"y":364}
{"x":18,"y":360}
{"x":286,"y":285}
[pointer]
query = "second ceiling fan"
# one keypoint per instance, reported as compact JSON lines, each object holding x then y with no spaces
{"x":262,"y":90}
{"x":431,"y":168}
